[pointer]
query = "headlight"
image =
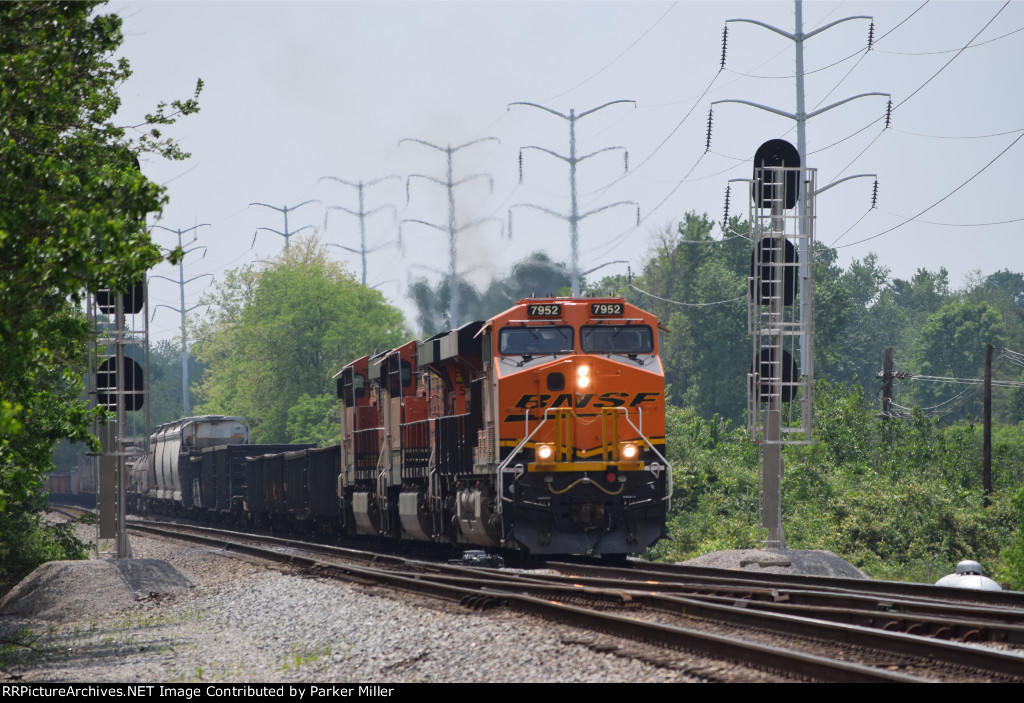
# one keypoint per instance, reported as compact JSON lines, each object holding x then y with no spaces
{"x":583,"y":376}
{"x":545,"y":452}
{"x":630,"y":451}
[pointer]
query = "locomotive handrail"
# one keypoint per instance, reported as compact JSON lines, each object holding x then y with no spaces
{"x":508,"y":460}
{"x":668,"y":467}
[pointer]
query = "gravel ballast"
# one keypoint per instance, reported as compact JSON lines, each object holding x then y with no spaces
{"x":183,"y":613}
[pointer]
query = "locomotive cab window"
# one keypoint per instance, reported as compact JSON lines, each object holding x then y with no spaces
{"x":617,"y":339}
{"x":535,"y":340}
{"x":351,"y":385}
{"x":399,"y":378}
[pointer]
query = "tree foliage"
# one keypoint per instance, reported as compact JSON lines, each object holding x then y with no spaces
{"x":165,"y":399}
{"x":706,"y":355}
{"x":278,"y":334}
{"x":72,"y":217}
{"x":898,"y":499}
{"x":952,"y":343}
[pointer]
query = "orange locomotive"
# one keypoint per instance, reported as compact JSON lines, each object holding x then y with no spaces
{"x":541,"y":429}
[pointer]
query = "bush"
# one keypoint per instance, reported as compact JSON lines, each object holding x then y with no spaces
{"x":899,"y":499}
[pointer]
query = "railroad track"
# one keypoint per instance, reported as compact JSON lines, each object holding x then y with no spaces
{"x":660,"y":614}
{"x":942,"y":613}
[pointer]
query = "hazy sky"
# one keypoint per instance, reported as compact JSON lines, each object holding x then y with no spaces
{"x":298,"y":91}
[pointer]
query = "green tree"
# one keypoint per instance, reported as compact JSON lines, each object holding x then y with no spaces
{"x":952,"y":343}
{"x":833,"y":310}
{"x":72,"y":217}
{"x":872,"y":325}
{"x":277,"y":336}
{"x":166,"y":403}
{"x":706,"y":356}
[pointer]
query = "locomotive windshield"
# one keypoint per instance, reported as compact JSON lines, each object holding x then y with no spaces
{"x":535,"y":340}
{"x":617,"y":339}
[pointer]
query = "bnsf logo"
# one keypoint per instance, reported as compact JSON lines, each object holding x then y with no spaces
{"x":533,"y":401}
{"x":613,"y":399}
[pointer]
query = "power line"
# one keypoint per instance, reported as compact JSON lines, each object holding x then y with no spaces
{"x":962,"y":49}
{"x":287,"y":234}
{"x":688,"y":305}
{"x":664,"y":141}
{"x":962,"y":381}
{"x":967,"y":136}
{"x":940,"y":200}
{"x":947,"y":51}
{"x":621,"y":54}
{"x":793,"y":75}
{"x":362,"y":214}
{"x":930,"y":79}
{"x":951,"y":224}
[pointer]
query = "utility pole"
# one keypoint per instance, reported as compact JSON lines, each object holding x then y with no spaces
{"x":986,"y":447}
{"x":572,"y":159}
{"x":887,"y":386}
{"x":287,"y":234}
{"x":183,"y":310}
{"x":362,"y":214}
{"x":452,"y":229}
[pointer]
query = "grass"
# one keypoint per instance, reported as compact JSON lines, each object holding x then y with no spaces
{"x":298,"y":658}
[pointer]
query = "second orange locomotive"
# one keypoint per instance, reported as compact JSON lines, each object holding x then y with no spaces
{"x":541,"y":429}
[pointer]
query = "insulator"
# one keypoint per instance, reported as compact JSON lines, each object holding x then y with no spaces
{"x":871,"y":35}
{"x":406,"y":191}
{"x":625,"y":159}
{"x":725,"y":42}
{"x":637,"y":215}
{"x":707,"y":144}
{"x":725,"y":215}
{"x":520,"y":167}
{"x":629,"y":274}
{"x":874,"y":195}
{"x":888,"y":114}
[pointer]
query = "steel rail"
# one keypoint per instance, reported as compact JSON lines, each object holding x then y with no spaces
{"x":715,"y":646}
{"x":659,"y":571}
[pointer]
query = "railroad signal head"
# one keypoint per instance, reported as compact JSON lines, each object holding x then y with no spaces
{"x":774,"y":262}
{"x":770,"y":188}
{"x":776,"y":375}
{"x":132,"y":301}
{"x":106,"y":384}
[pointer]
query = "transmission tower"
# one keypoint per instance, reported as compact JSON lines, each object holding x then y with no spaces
{"x":800,"y":117}
{"x":183,"y":310}
{"x":779,"y":374}
{"x":572,"y":159}
{"x":362,"y":214}
{"x":453,"y":228}
{"x":287,"y":234}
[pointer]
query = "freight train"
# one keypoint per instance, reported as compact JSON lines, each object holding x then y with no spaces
{"x":541,"y":429}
